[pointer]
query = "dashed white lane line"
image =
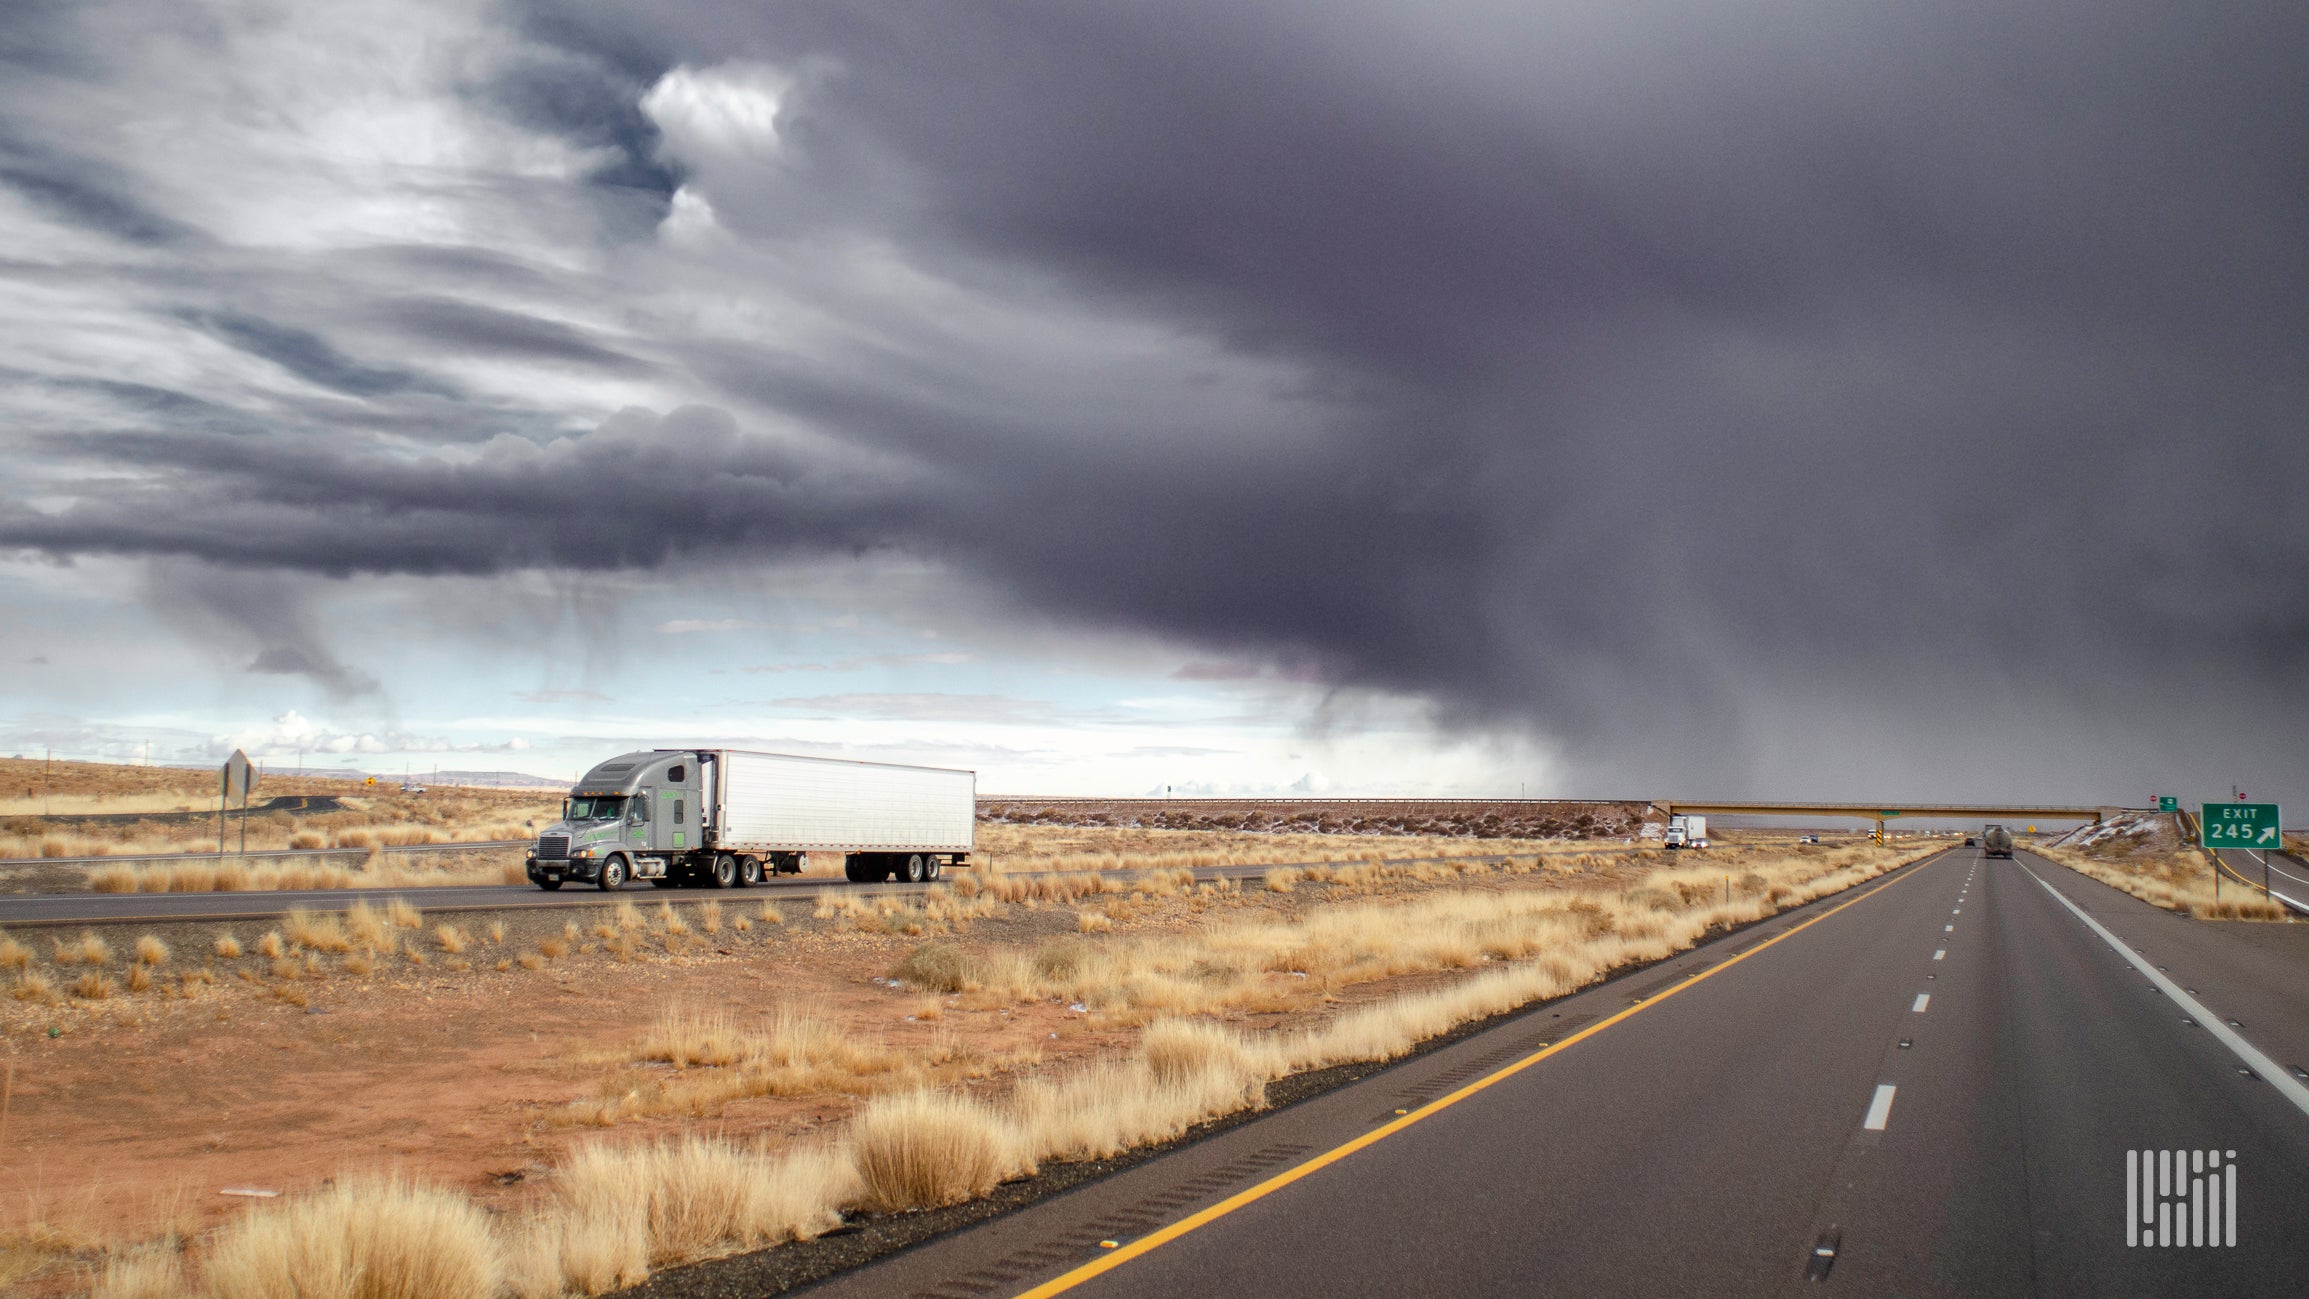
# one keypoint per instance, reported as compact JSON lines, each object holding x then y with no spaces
{"x":1923,"y":999}
{"x":1879,"y":1109}
{"x":1940,"y":955}
{"x":1948,"y":929}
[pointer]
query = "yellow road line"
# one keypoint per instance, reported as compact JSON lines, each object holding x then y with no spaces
{"x":1154,"y":1240}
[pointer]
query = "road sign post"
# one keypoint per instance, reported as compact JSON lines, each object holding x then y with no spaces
{"x":2248,"y":826}
{"x":239,"y":776}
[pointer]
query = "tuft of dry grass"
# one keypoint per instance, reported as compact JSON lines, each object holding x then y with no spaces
{"x":942,"y":967}
{"x":151,"y":951}
{"x":710,"y":917}
{"x":403,"y":915}
{"x":1093,"y":922}
{"x":32,"y":985}
{"x":317,"y":931}
{"x":451,"y":938}
{"x":770,"y":915}
{"x":87,"y":949}
{"x":685,"y":1037}
{"x":228,"y":946}
{"x":139,"y":978}
{"x":369,"y":929}
{"x":618,"y":1211}
{"x":359,"y":1240}
{"x":670,"y":920}
{"x":554,"y":947}
{"x":152,"y":1272}
{"x":271,"y":945}
{"x":113,"y":879}
{"x":92,"y":986}
{"x":920,"y":1150}
{"x":14,"y":955}
{"x":496,"y":932}
{"x":530,"y":961}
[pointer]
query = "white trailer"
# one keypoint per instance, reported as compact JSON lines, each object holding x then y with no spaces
{"x":726,"y":817}
{"x":1687,"y":832}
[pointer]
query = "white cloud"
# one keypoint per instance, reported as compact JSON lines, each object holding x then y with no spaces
{"x":728,"y":109}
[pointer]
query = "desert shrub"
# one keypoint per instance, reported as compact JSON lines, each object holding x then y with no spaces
{"x":941,"y":967}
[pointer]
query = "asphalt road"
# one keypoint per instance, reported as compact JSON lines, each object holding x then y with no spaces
{"x":34,"y":909}
{"x":1938,"y":1079}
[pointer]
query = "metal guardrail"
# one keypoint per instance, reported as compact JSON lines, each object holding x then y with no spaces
{"x":256,"y":854}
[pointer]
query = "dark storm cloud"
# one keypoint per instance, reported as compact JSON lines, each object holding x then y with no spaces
{"x":473,"y":327}
{"x":1739,"y":396}
{"x":311,"y":357}
{"x":83,"y":192}
{"x":638,"y":492}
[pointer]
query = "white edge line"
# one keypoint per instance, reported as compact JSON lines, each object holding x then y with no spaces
{"x":2286,"y":1085}
{"x":1880,"y":1108}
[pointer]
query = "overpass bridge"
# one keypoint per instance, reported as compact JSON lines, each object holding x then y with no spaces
{"x":1883,"y":812}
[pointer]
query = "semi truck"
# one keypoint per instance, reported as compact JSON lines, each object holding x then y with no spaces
{"x":1687,"y":832}
{"x":1996,"y":841}
{"x":726,"y":818}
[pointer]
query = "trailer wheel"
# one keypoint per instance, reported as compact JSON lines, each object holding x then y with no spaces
{"x":912,"y":871}
{"x":725,"y":872}
{"x":931,"y":866}
{"x":854,"y":868}
{"x":613,"y":873}
{"x":749,"y":871}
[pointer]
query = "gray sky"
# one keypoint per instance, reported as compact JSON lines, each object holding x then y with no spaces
{"x":1780,"y":399}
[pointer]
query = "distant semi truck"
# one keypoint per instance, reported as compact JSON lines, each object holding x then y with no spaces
{"x":1687,"y":832}
{"x":725,"y":818}
{"x":1996,"y":841}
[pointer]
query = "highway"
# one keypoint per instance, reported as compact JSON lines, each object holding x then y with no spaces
{"x":1925,"y":1086}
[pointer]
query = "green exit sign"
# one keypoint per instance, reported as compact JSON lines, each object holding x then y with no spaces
{"x":2241,"y":825}
{"x":2168,"y":803}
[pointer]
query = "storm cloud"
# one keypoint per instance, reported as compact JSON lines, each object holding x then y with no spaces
{"x":1742,"y":398}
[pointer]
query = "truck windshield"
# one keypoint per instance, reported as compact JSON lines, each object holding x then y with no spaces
{"x":607,"y":808}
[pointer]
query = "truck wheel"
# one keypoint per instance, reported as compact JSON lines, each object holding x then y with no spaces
{"x":725,"y":872}
{"x":749,"y":871}
{"x":613,"y":874}
{"x":854,"y":868}
{"x":912,"y":871}
{"x":931,"y":866}
{"x":549,"y":885}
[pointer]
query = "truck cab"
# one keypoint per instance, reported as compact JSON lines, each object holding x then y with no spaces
{"x":633,"y":816}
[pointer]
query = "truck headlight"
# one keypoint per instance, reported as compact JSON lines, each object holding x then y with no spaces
{"x":582,"y":852}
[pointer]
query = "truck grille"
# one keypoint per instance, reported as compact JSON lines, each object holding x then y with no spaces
{"x":553,"y":847}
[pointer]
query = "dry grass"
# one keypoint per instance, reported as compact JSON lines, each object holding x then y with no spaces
{"x":922,"y":1150}
{"x":14,"y":955}
{"x":87,"y":949}
{"x":360,"y":1240}
{"x":451,"y":938}
{"x":152,"y":1272}
{"x":92,"y":986}
{"x":260,"y":877}
{"x":32,"y":985}
{"x":271,"y":945}
{"x":404,"y":916}
{"x":617,"y":1212}
{"x":2178,"y":881}
{"x":316,"y":931}
{"x":151,"y":951}
{"x":228,"y":946}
